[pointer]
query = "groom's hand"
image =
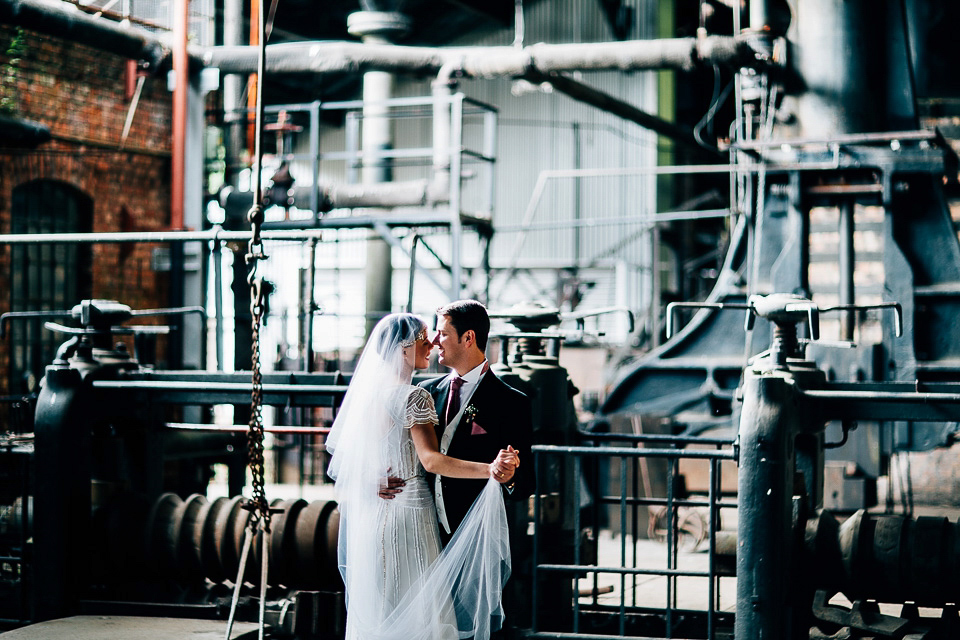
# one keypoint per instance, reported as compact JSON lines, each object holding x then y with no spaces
{"x":503,"y":475}
{"x":390,"y":487}
{"x":505,"y":465}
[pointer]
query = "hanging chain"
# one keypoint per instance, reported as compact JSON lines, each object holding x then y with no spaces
{"x":259,"y":506}
{"x":260,"y":509}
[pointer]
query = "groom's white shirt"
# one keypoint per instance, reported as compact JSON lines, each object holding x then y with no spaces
{"x":471,"y":380}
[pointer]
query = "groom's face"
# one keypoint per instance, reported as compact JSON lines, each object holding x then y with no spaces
{"x":453,"y":349}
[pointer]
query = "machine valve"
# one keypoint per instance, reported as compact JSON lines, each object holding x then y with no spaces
{"x":785,"y":311}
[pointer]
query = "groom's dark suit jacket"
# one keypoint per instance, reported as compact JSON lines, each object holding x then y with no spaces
{"x":503,"y":418}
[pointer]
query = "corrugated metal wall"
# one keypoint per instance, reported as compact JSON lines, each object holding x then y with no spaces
{"x":538,"y":131}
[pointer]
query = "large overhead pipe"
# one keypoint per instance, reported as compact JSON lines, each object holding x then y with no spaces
{"x":65,"y":20}
{"x":376,"y":53}
{"x":385,"y":195}
{"x":594,"y":97}
{"x":682,"y":54}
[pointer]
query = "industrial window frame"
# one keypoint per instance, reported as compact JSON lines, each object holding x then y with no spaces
{"x":45,"y":277}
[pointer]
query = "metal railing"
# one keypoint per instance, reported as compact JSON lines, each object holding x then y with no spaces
{"x":627,"y":616}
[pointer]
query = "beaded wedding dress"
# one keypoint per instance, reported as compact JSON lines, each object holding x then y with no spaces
{"x":408,"y":540}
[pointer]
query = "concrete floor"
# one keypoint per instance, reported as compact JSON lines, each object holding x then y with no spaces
{"x":130,"y":628}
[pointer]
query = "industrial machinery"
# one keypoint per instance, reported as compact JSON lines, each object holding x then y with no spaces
{"x":793,"y":557}
{"x":847,"y":207}
{"x":98,"y":531}
{"x":114,"y":479}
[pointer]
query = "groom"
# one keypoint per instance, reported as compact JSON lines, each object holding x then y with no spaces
{"x":483,"y":416}
{"x":479,"y":413}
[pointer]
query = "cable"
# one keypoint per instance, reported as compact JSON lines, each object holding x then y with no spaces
{"x":717,"y":101}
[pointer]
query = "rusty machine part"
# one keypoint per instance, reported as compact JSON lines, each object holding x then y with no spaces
{"x":886,"y":558}
{"x":196,"y":539}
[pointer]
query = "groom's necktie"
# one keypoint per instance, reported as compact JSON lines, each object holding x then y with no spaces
{"x":453,"y":402}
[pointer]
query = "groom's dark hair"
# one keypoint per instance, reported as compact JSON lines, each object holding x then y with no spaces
{"x":466,"y":315}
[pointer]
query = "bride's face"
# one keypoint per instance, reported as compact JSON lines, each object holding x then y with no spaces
{"x":418,"y":355}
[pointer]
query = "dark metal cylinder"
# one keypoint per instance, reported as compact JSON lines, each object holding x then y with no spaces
{"x":897,"y":559}
{"x":764,"y":489}
{"x":846,"y":261}
{"x":838,"y":55}
{"x":62,"y":492}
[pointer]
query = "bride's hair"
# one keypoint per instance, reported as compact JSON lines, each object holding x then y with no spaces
{"x":396,"y":330}
{"x":366,"y":411}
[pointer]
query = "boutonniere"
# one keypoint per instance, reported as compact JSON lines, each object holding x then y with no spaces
{"x":470,"y":417}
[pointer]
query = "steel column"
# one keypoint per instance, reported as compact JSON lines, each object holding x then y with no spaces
{"x":764,"y":489}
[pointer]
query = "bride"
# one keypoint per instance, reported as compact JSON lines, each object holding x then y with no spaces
{"x":399,"y":585}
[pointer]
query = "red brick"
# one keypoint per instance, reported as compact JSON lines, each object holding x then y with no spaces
{"x":79,"y":93}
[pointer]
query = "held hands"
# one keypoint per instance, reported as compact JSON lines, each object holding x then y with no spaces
{"x":503,"y":468}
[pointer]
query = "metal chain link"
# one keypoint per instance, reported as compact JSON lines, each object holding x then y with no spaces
{"x":260,"y":508}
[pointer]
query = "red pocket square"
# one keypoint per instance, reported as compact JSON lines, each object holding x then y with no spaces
{"x":477,"y":430}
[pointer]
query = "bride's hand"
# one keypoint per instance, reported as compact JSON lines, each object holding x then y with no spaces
{"x":505,"y":465}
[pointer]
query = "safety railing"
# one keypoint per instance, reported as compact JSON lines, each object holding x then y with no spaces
{"x":618,"y":550}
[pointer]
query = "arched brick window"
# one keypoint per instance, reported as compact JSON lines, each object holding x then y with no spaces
{"x":45,"y":276}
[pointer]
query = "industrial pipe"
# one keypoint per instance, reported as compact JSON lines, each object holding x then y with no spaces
{"x":682,"y":54}
{"x":20,"y":131}
{"x":596,"y":98}
{"x":411,"y":193}
{"x":767,"y":432}
{"x":70,"y":23}
{"x":839,"y":51}
{"x":377,"y":28}
{"x":180,"y":91}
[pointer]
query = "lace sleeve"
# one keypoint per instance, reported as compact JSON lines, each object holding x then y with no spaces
{"x":420,"y":409}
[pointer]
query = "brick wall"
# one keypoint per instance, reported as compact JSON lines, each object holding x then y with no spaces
{"x":79,"y":93}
